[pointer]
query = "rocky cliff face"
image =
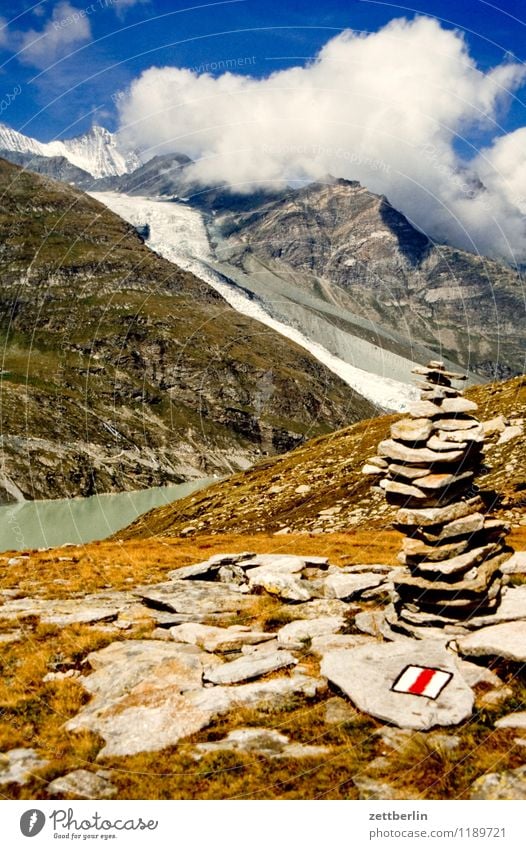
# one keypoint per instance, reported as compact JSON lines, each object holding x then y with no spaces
{"x":121,"y":371}
{"x":342,"y":242}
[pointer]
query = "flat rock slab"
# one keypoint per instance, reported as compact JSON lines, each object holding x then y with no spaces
{"x":249,"y":666}
{"x":282,"y":584}
{"x":193,"y":597}
{"x":346,"y":586}
{"x":367,"y":675}
{"x":288,"y":563}
{"x":412,"y":430}
{"x":210,"y":566}
{"x":82,"y":785}
{"x":148,"y":721}
{"x":321,"y":607}
{"x":86,"y":610}
{"x":424,"y":517}
{"x":18,"y":765}
{"x":296,"y":634}
{"x":335,"y":642}
{"x":507,"y":640}
{"x":510,"y":785}
{"x":512,"y":720}
{"x":516,"y":565}
{"x":214,"y":639}
{"x":512,"y":608}
{"x":263,"y":741}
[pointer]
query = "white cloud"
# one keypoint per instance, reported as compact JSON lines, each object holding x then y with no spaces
{"x":67,"y":28}
{"x":383,"y":108}
{"x":3,"y":32}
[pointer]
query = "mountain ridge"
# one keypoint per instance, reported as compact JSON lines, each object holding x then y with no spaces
{"x":121,"y":371}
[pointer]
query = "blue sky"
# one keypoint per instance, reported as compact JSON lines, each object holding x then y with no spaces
{"x":48,"y":93}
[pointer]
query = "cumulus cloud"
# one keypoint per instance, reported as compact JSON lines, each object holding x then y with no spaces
{"x":3,"y":32}
{"x":384,"y":108}
{"x":67,"y":28}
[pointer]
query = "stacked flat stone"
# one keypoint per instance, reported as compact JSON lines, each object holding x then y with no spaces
{"x":451,"y":554}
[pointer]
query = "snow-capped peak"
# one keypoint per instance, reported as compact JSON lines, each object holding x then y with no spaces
{"x":98,"y":151}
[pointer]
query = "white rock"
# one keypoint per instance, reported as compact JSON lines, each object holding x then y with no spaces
{"x":302,"y":489}
{"x":296,"y":634}
{"x":512,"y":720}
{"x":83,"y":785}
{"x":345,"y":586}
{"x":510,"y":785}
{"x":367,"y":674}
{"x":516,"y":565}
{"x":282,"y":584}
{"x":197,"y":598}
{"x":507,"y":640}
{"x":18,"y":765}
{"x":148,"y":722}
{"x":474,"y":674}
{"x":263,"y":741}
{"x":335,"y":642}
{"x":509,"y":433}
{"x":288,"y":563}
{"x":214,"y":639}
{"x":249,"y":666}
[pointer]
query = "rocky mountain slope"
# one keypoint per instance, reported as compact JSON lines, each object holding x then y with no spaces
{"x":121,"y":371}
{"x":319,"y":487}
{"x":342,"y":243}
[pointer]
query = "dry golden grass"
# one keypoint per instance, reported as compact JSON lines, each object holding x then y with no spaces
{"x":57,"y":573}
{"x":33,"y":713}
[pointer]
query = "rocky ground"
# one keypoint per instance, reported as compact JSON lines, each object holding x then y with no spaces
{"x":261,"y":675}
{"x":319,"y":487}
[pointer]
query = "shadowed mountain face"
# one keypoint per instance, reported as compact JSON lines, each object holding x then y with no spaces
{"x":354,"y":249}
{"x":122,"y":371}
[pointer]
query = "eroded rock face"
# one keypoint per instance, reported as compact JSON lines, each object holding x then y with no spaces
{"x":453,"y":557}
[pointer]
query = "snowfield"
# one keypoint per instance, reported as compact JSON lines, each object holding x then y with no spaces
{"x":178,"y":233}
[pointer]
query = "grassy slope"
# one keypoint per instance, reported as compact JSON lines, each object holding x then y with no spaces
{"x":99,"y":334}
{"x":266,"y":498}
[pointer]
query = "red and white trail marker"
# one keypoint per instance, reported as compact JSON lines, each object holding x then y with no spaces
{"x":422,"y":681}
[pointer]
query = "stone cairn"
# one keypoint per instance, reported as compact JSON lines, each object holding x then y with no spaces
{"x":451,"y":554}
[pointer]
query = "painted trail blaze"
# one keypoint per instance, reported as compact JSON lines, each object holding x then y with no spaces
{"x":422,"y":681}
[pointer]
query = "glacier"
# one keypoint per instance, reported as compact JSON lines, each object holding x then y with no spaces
{"x":178,"y":233}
